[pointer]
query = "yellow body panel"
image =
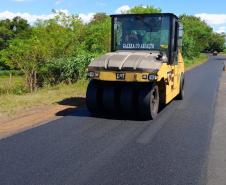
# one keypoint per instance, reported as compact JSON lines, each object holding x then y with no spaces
{"x":129,"y":77}
{"x":171,"y":74}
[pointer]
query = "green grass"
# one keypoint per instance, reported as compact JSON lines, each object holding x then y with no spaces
{"x":12,"y":85}
{"x":11,"y":104}
{"x":224,"y":52}
{"x":191,"y":63}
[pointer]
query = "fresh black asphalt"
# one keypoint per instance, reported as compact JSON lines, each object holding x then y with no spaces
{"x":80,"y":149}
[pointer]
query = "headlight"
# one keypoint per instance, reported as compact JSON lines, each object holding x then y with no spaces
{"x":149,"y":77}
{"x":92,"y":74}
{"x":152,"y":77}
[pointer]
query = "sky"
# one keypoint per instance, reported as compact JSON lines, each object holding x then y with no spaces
{"x":213,"y":12}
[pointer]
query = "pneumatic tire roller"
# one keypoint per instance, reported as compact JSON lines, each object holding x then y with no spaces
{"x":144,"y":69}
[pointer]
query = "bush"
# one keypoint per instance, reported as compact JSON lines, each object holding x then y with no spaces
{"x":224,"y":51}
{"x":56,"y":71}
{"x":64,"y":70}
{"x":196,"y":36}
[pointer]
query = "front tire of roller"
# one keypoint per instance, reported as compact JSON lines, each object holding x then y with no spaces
{"x":148,"y":102}
{"x":126,"y":101}
{"x":109,"y":105}
{"x":92,"y":98}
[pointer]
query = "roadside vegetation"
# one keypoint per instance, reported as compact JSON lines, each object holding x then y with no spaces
{"x":191,"y":63}
{"x":224,"y":52}
{"x":46,"y":62}
{"x":11,"y":105}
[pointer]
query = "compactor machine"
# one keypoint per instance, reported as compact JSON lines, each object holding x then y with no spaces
{"x":144,"y":69}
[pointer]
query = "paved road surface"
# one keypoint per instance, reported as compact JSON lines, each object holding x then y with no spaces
{"x":80,"y":149}
{"x":217,"y":150}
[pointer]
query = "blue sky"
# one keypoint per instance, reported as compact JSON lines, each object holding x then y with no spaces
{"x":214,"y":12}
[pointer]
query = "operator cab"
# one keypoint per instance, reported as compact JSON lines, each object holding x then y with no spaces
{"x":147,"y":32}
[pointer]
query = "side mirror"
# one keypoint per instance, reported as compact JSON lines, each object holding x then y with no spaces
{"x":181,"y":30}
{"x":180,"y":35}
{"x":162,"y":57}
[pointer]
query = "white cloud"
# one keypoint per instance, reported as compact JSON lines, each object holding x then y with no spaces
{"x":213,"y":19}
{"x":217,"y":21}
{"x":65,"y":11}
{"x":123,"y":9}
{"x":221,"y":29}
{"x":32,"y":18}
{"x":86,"y":17}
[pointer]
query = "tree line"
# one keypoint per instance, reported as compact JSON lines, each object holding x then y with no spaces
{"x":58,"y":50}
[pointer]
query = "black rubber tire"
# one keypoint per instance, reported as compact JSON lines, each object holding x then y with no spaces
{"x":92,"y":97}
{"x":126,"y":100}
{"x":180,"y":96}
{"x":148,"y":102}
{"x":109,"y":102}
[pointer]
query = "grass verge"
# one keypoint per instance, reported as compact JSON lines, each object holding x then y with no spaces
{"x":11,"y":104}
{"x":12,"y":85}
{"x":189,"y":64}
{"x":223,"y":54}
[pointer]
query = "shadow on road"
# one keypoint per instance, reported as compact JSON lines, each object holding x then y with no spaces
{"x":72,"y":105}
{"x":76,"y":106}
{"x":73,"y":101}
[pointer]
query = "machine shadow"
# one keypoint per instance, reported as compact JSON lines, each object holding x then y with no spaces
{"x":76,"y":106}
{"x":72,"y":106}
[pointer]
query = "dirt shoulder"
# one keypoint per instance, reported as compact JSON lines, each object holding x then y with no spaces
{"x":38,"y":116}
{"x":31,"y":119}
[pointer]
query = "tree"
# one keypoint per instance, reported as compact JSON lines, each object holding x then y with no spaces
{"x":99,"y":17}
{"x":216,"y":42}
{"x":17,"y":27}
{"x":27,"y":55}
{"x":144,"y":9}
{"x":62,"y":35}
{"x":20,"y":27}
{"x":10,"y":29}
{"x":6,"y":33}
{"x":97,"y":37}
{"x":196,"y":35}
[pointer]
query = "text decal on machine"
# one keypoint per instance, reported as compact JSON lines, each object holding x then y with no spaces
{"x":138,"y":46}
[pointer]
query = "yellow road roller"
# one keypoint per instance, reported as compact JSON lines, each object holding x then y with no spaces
{"x":144,"y":69}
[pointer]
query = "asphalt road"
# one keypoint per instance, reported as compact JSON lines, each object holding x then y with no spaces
{"x":80,"y":149}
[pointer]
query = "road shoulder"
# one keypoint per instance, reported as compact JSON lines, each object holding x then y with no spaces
{"x":33,"y":119}
{"x":217,"y":155}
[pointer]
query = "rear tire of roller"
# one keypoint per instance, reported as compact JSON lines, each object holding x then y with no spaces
{"x":181,"y":95}
{"x":148,"y":102}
